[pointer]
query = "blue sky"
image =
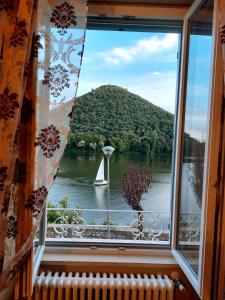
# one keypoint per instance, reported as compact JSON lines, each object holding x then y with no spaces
{"x":144,"y":63}
{"x":198,"y":91}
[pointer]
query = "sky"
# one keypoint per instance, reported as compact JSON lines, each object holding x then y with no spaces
{"x":198,"y":86}
{"x":142,"y":62}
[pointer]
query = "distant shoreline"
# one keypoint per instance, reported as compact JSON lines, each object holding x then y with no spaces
{"x":99,"y":152}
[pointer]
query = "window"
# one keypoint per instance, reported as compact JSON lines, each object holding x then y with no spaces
{"x":196,"y":154}
{"x":127,"y":96}
{"x":195,"y":133}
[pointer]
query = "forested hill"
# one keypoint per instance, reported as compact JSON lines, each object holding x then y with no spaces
{"x":130,"y":122}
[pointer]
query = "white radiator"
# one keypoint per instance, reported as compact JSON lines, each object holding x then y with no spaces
{"x":102,"y":286}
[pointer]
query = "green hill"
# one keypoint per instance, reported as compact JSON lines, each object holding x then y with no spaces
{"x":130,"y":122}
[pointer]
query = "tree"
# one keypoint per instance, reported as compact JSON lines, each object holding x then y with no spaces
{"x":156,"y":142}
{"x":135,"y":182}
{"x":196,"y":172}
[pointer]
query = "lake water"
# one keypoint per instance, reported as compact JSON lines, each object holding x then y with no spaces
{"x":77,"y":174}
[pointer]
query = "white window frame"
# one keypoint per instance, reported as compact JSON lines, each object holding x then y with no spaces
{"x":38,"y":255}
{"x":202,"y":282}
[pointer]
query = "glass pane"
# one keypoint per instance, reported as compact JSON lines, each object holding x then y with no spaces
{"x":38,"y":238}
{"x":36,"y":241}
{"x":195,"y":134}
{"x":126,"y":98}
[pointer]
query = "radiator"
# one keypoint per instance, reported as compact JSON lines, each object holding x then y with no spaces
{"x":102,"y":286}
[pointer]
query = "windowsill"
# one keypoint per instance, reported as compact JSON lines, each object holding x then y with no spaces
{"x":101,"y":257}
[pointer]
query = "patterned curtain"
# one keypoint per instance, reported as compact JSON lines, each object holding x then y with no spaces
{"x":41,"y":47}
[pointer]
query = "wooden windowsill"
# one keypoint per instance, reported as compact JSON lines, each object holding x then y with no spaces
{"x":101,"y":257}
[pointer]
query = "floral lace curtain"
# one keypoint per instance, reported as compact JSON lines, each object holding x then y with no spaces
{"x":41,"y":47}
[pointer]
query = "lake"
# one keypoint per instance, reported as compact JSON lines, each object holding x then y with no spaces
{"x":77,"y":174}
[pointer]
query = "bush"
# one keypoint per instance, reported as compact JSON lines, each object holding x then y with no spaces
{"x":106,"y":222}
{"x":52,"y":215}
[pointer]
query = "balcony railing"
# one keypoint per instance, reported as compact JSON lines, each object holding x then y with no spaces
{"x":124,"y":225}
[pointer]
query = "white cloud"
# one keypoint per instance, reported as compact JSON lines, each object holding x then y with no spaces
{"x":157,"y":87}
{"x":196,"y":126}
{"x":142,"y":48}
{"x":197,"y":111}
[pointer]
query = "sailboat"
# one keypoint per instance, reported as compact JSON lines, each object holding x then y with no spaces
{"x":100,"y":178}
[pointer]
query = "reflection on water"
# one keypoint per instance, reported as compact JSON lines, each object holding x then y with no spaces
{"x":189,"y":202}
{"x":100,"y":194}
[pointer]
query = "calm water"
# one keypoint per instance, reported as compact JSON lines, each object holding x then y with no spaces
{"x":77,"y":174}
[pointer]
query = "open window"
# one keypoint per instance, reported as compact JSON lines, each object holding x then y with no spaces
{"x":197,"y":152}
{"x":195,"y":157}
{"x":126,"y":97}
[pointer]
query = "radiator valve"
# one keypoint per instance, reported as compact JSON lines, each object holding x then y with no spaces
{"x":175,"y":277}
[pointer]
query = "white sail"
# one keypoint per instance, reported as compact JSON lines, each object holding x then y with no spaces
{"x":100,"y":174}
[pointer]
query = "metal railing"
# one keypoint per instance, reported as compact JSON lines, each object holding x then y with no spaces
{"x":126,"y":225}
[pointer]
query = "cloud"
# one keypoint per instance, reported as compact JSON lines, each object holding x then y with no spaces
{"x":196,"y":126}
{"x":197,"y":111}
{"x":158,"y":88}
{"x":142,"y":48}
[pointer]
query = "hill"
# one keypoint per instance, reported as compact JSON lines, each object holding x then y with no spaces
{"x":130,"y":122}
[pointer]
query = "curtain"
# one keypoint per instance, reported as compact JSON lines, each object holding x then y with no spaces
{"x":41,"y":48}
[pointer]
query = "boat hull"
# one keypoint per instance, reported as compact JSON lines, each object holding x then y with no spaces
{"x":100,"y":182}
